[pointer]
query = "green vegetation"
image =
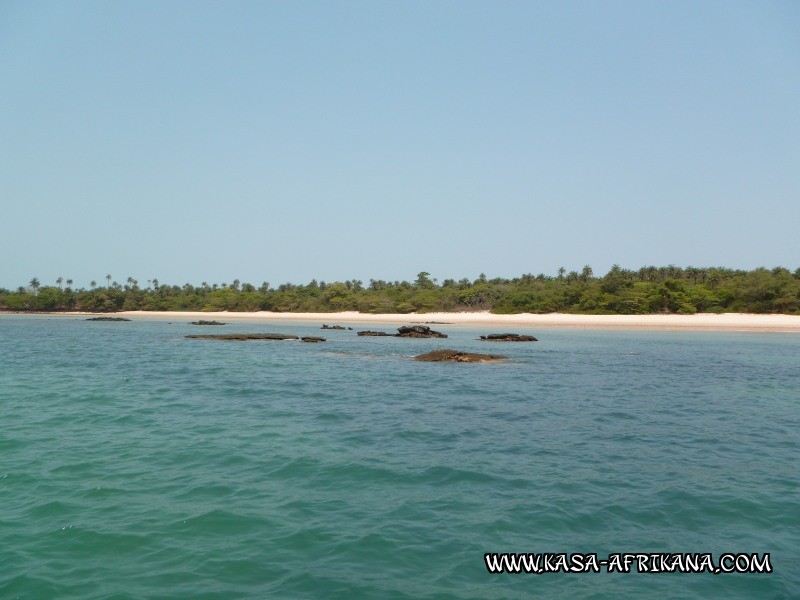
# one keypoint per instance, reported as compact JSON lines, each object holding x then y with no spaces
{"x":620,"y":291}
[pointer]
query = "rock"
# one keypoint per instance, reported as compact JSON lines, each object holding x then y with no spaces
{"x":411,"y":331}
{"x":312,"y":339}
{"x":419,"y":331}
{"x":437,"y":323}
{"x":508,"y":337}
{"x":201,"y":322}
{"x":245,"y":336}
{"x":457,"y":356}
{"x":332,"y":327}
{"x":108,"y":319}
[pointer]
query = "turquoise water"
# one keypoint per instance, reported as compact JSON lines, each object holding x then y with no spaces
{"x":135,"y":463}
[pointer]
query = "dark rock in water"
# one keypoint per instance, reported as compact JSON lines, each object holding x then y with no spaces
{"x":201,"y":322}
{"x":332,"y":327}
{"x":245,"y":336}
{"x":108,"y":319}
{"x":419,"y":331}
{"x":508,"y":337}
{"x":411,"y":331}
{"x":437,"y":323}
{"x":312,"y":339}
{"x":457,"y":356}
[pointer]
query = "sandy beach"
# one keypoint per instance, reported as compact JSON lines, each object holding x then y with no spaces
{"x":698,"y":322}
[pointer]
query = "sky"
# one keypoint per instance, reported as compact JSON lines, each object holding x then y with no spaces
{"x":285,"y":141}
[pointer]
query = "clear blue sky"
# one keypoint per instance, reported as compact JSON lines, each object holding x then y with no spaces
{"x":282,"y":141}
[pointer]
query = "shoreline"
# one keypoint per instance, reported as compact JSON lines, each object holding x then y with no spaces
{"x":742,"y":322}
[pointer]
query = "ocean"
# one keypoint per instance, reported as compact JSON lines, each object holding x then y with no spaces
{"x":136,"y":463}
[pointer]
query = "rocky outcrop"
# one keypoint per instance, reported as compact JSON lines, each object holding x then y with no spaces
{"x":419,"y":331}
{"x":508,"y":337}
{"x":108,"y":319}
{"x":245,"y":336}
{"x":201,"y":322}
{"x":458,"y":356}
{"x":312,"y":339}
{"x":407,"y":331}
{"x":335,"y":327}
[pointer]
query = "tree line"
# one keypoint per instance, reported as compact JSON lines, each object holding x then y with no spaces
{"x":647,"y":290}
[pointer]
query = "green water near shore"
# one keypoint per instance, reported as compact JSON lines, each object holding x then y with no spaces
{"x":137,"y":463}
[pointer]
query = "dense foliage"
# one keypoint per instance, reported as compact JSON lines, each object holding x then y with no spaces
{"x":620,"y":291}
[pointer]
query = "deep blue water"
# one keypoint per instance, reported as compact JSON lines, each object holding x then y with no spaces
{"x":137,"y":463}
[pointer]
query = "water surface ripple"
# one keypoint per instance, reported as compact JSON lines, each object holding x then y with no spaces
{"x":136,"y":463}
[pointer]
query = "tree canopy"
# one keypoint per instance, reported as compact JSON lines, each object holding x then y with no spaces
{"x":647,"y":290}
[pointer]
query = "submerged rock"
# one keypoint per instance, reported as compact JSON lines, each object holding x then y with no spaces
{"x":508,"y":337}
{"x":335,"y":327}
{"x":108,"y":319}
{"x":419,"y":331}
{"x":201,"y":322}
{"x":312,"y":339}
{"x":457,"y":356}
{"x":375,"y":333}
{"x":245,"y":336}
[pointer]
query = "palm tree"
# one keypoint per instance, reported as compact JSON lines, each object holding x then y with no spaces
{"x":108,"y":279}
{"x":130,"y":282}
{"x":69,"y":283}
{"x":59,"y":281}
{"x":34,"y":283}
{"x":93,"y":283}
{"x":561,"y":271}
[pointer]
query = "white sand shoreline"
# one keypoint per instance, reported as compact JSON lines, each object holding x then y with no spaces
{"x":698,"y":322}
